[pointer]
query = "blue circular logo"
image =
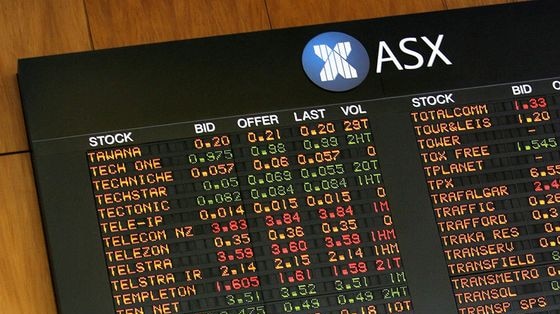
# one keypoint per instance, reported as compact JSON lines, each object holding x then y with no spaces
{"x":335,"y":61}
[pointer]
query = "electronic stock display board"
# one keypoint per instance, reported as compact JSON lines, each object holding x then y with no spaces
{"x":398,"y":165}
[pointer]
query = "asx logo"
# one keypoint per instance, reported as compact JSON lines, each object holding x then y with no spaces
{"x":338,"y":62}
{"x":335,"y":61}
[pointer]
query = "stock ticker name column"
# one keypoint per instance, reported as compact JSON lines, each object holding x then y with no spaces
{"x":148,"y":252}
{"x":492,"y":170}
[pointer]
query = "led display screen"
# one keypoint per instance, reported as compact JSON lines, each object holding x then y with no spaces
{"x":399,"y":165}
